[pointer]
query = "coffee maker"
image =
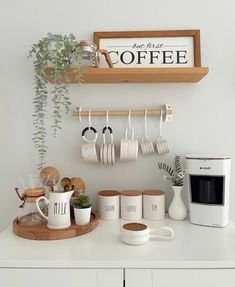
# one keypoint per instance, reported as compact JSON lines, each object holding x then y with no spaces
{"x":208,"y":189}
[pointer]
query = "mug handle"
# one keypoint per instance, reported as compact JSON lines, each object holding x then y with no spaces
{"x":38,"y":207}
{"x":159,"y":233}
{"x":84,"y":134}
{"x":107,"y":57}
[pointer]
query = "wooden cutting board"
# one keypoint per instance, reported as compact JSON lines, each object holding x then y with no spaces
{"x":41,"y":232}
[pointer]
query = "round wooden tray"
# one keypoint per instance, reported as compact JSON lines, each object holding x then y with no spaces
{"x":41,"y":232}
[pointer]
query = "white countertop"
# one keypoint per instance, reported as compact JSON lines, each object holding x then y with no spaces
{"x":192,"y":247}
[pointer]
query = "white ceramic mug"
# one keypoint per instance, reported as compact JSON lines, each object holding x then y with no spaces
{"x":107,"y":150}
{"x":161,"y":144}
{"x":89,"y":153}
{"x":146,"y":144}
{"x":108,"y":204}
{"x":139,"y":233}
{"x":153,"y":204}
{"x":129,"y":147}
{"x":131,"y":205}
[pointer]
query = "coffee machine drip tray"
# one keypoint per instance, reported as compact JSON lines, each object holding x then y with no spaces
{"x":207,"y":189}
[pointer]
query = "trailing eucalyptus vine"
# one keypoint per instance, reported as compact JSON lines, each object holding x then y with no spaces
{"x":59,"y":52}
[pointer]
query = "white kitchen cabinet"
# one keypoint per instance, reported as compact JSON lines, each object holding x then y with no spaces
{"x":180,"y":277}
{"x":61,"y":277}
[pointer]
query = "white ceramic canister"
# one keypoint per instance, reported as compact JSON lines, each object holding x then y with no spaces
{"x":131,"y":205}
{"x":153,"y":204}
{"x":108,"y":204}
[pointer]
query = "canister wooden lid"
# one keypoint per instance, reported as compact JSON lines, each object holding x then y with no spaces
{"x":153,"y":192}
{"x":109,"y":193}
{"x":131,"y":193}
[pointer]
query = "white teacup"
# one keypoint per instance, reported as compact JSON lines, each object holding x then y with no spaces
{"x":107,"y":150}
{"x":162,"y":146}
{"x":129,"y":147}
{"x":139,"y":233}
{"x":146,"y":146}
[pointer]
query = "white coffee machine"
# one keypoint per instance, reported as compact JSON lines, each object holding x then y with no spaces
{"x":208,"y":189}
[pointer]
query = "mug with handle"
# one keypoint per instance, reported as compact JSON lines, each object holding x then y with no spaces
{"x":107,"y":150}
{"x":89,"y":153}
{"x":129,"y":146}
{"x":58,"y":209}
{"x":146,"y":144}
{"x":138,"y":233}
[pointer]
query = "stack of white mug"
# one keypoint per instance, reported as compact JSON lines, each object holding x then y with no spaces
{"x":131,"y":204}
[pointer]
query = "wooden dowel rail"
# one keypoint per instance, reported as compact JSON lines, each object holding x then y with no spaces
{"x":166,"y":112}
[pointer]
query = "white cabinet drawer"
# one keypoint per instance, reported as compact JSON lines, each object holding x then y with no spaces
{"x":61,"y":277}
{"x":138,"y":277}
{"x":180,"y":277}
{"x":193,"y":277}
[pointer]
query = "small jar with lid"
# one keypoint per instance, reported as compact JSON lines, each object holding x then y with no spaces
{"x":153,"y":204}
{"x":131,"y":204}
{"x":28,"y":214}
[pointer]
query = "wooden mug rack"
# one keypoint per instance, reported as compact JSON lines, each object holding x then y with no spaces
{"x":166,"y":112}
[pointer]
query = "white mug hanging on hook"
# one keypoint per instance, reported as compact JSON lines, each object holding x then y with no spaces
{"x":161,"y":144}
{"x":129,"y":146}
{"x":107,"y":150}
{"x":146,"y":144}
{"x":89,"y":152}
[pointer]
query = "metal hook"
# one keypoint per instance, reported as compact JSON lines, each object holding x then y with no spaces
{"x":107,"y":118}
{"x":89,"y":119}
{"x":129,"y":119}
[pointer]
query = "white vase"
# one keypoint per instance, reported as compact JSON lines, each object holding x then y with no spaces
{"x":177,"y":209}
{"x":82,"y":215}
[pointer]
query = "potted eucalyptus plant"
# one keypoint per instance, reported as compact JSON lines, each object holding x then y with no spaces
{"x":59,"y":52}
{"x":82,"y":209}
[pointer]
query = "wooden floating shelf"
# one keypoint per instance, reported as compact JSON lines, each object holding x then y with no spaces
{"x":134,"y":75}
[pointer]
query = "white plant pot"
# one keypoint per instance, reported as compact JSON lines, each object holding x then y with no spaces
{"x":82,"y":215}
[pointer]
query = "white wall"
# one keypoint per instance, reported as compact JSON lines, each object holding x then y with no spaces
{"x":203,"y":112}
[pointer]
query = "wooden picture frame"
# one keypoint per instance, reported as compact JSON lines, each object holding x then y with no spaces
{"x":192,"y":51}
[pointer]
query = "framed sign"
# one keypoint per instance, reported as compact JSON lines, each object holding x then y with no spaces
{"x":150,"y":49}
